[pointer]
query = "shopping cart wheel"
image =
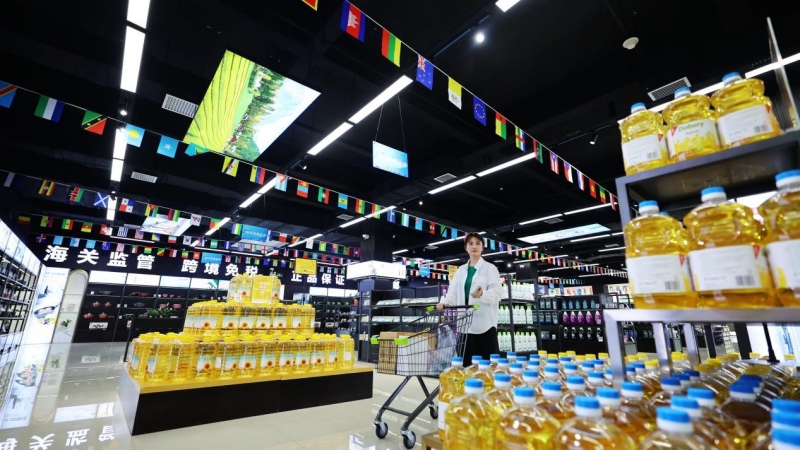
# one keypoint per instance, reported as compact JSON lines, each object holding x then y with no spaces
{"x":409,"y":439}
{"x":381,"y":430}
{"x":434,"y":410}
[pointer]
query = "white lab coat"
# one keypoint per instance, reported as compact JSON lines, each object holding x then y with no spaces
{"x":488,"y":278}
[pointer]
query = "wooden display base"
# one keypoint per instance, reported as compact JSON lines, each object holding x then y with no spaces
{"x":431,"y":441}
{"x":151,"y":407}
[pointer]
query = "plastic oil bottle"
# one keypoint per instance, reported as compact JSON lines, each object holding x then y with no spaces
{"x":743,"y":409}
{"x":781,"y":214}
{"x":230,"y":351}
{"x":347,"y":351}
{"x":589,"y":430}
{"x":786,"y":440}
{"x":691,"y":126}
{"x":302,"y":356}
{"x":268,"y":360}
{"x":745,"y":114}
{"x":782,"y":419}
{"x":644,"y":143}
{"x":247,"y":319}
{"x":190,"y":322}
{"x":212,"y":319}
{"x":633,"y":402}
{"x":251,"y":352}
{"x":704,"y":429}
{"x":184,"y":358}
{"x":656,"y":251}
{"x":286,"y":354}
{"x":524,"y":425}
{"x":139,"y":355}
{"x":719,"y":389}
{"x":551,"y":374}
{"x":263,"y":320}
{"x":471,"y":419}
{"x":675,"y":432}
{"x":279,"y":320}
{"x":158,"y":360}
{"x":331,"y":354}
{"x":503,"y":366}
{"x":516,"y":370}
{"x":451,"y":387}
{"x":670,"y":387}
{"x":307,"y":314}
{"x":576,"y":387}
{"x":484,"y":374}
{"x":531,"y":378}
{"x":207,"y":358}
{"x":501,"y":396}
{"x":317,"y":361}
{"x":632,"y":425}
{"x":729,"y":267}
{"x":550,"y":401}
{"x":230,"y":319}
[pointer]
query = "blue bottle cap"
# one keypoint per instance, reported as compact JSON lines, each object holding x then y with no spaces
{"x":587,"y":402}
{"x":786,"y":418}
{"x":743,"y":388}
{"x":530,"y":374}
{"x":685,"y":402}
{"x":787,"y":174}
{"x":682,"y":377}
{"x":786,"y":405}
{"x":483,"y":363}
{"x":564,"y":359}
{"x":552,"y":361}
{"x":632,"y":386}
{"x":638,"y":365}
{"x":637,"y":106}
{"x":516,"y":365}
{"x":608,"y":371}
{"x":731,"y":75}
{"x":712,"y":190}
{"x":474,"y":383}
{"x":511,"y":354}
{"x":670,"y":381}
{"x":525,"y":392}
{"x":551,"y":386}
{"x":608,"y":393}
{"x":672,"y":415}
{"x":457,"y":359}
{"x":502,"y":361}
{"x":681,"y":91}
{"x":521,"y":358}
{"x":574,"y":379}
{"x":502,"y":377}
{"x":648,"y":204}
{"x":596,"y":375}
{"x":551,"y":370}
{"x":494,"y":356}
{"x":786,"y":436}
{"x":703,"y":393}
{"x":588,"y":365}
{"x":571,"y":366}
{"x":630,"y":369}
{"x":476,"y":358}
{"x":748,"y":377}
{"x":692,"y":373}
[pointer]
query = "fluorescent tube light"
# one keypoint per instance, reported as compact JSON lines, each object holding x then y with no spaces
{"x":590,"y":238}
{"x":589,"y":265}
{"x":305,"y":240}
{"x":116,"y":169}
{"x":495,"y":253}
{"x":505,"y":5}
{"x":447,"y":260}
{"x":381,"y":211}
{"x":268,"y":186}
{"x":451,"y":185}
{"x":353,"y":222}
{"x":248,"y":254}
{"x":617,"y":233}
{"x":560,"y":256}
{"x":513,"y":162}
{"x":541,"y":219}
{"x":710,"y":89}
{"x":213,"y":230}
{"x":587,"y":209}
{"x":137,"y":12}
{"x":335,"y":134}
{"x":557,"y":268}
{"x":593,"y":275}
{"x":110,"y":214}
{"x":397,"y":252}
{"x":382,"y":98}
{"x":132,"y":59}
{"x":441,"y":242}
{"x":611,"y":249}
{"x":223,"y":222}
{"x":250,"y":200}
{"x":120,"y":144}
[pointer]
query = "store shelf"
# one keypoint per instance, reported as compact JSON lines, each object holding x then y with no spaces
{"x":744,"y":170}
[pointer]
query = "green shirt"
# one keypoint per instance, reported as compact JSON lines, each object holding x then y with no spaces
{"x":468,"y":284}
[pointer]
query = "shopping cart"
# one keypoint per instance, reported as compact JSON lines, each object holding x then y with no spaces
{"x":420,"y":348}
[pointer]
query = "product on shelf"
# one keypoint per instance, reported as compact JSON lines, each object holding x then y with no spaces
{"x":524,"y":425}
{"x":670,"y":386}
{"x":501,"y":396}
{"x":589,"y":430}
{"x":675,"y":430}
{"x":692,"y":126}
{"x":451,"y":387}
{"x":704,"y":429}
{"x":471,"y":419}
{"x":656,"y":250}
{"x":637,"y":426}
{"x":727,"y":260}
{"x":644,"y":144}
{"x":781,"y":214}
{"x":550,"y":401}
{"x":745,"y":114}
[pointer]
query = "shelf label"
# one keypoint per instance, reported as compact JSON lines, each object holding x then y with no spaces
{"x":744,"y":124}
{"x":734,"y":267}
{"x":784,"y":260}
{"x":692,"y":136}
{"x":659,"y":274}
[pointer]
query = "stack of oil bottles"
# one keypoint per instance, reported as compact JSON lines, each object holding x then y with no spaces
{"x":737,"y":257}
{"x":240,"y":339}
{"x":568,"y":401}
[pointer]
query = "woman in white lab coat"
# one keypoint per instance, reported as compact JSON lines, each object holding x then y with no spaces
{"x":477,"y":283}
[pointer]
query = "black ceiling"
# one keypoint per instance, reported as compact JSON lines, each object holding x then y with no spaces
{"x":557,"y":69}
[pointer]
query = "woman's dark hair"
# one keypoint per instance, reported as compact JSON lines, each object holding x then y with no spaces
{"x":470,"y":236}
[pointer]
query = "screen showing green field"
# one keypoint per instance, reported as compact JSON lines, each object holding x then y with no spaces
{"x":246,"y":108}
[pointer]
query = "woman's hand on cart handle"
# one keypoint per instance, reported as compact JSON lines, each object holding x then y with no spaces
{"x":440,"y":306}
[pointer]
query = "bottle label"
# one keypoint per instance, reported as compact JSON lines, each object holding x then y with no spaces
{"x":744,"y":124}
{"x":658,"y":274}
{"x":287,"y":359}
{"x":230,"y":322}
{"x":644,"y":149}
{"x":295,"y":322}
{"x":263,"y":323}
{"x":302,"y":359}
{"x":151,"y":365}
{"x":333,"y":357}
{"x":246,"y":322}
{"x":231,"y":363}
{"x":442,"y":411}
{"x":279,"y":322}
{"x":134,"y":362}
{"x":734,"y":267}
{"x":247,"y":362}
{"x":348,"y":356}
{"x":318,"y":358}
{"x":267,"y":360}
{"x":209,"y":323}
{"x":694,"y":135}
{"x":205,"y":363}
{"x":784,"y":260}
{"x":218,"y":363}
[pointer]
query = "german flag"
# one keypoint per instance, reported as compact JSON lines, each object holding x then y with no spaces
{"x":94,"y":122}
{"x":47,"y":188}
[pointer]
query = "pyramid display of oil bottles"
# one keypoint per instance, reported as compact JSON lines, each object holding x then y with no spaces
{"x":240,"y":339}
{"x":726,"y":403}
{"x":737,"y":258}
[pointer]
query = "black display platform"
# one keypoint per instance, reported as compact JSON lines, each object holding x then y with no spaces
{"x":159,"y":407}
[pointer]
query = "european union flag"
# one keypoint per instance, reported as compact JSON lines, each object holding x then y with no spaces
{"x":167,"y":147}
{"x":425,"y":72}
{"x":106,"y":246}
{"x":479,"y":110}
{"x":134,"y":135}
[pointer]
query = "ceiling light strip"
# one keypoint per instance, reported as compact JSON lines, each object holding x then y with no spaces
{"x":452,"y":185}
{"x":382,"y":98}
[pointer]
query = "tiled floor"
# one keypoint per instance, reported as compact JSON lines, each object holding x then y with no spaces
{"x":70,"y":405}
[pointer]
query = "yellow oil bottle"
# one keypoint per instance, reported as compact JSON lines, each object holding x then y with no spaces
{"x":691,"y":126}
{"x":294,"y":319}
{"x":302,"y":357}
{"x":524,"y":425}
{"x":331,"y":353}
{"x":230,"y":352}
{"x":279,"y":320}
{"x":588,"y":430}
{"x":745,"y":114}
{"x":451,"y":387}
{"x":474,"y":366}
{"x":208,"y":360}
{"x":781,"y":214}
{"x":251,"y":352}
{"x":348,"y":351}
{"x":785,"y":415}
{"x":656,"y":251}
{"x":501,"y":395}
{"x":726,"y":254}
{"x":139,"y":355}
{"x":184,"y":359}
{"x":550,"y":401}
{"x":704,"y":429}
{"x":212,"y":321}
{"x":471,"y":419}
{"x":317,"y":361}
{"x":190,"y":322}
{"x":743,"y":410}
{"x":675,"y":431}
{"x":233,"y":288}
{"x":268,"y":361}
{"x":670,"y":387}
{"x":644,"y":143}
{"x":517,"y":376}
{"x":247,"y":319}
{"x":263,"y":320}
{"x":158,"y":359}
{"x":307,"y":315}
{"x":484,"y":374}
{"x":634,"y":402}
{"x":230,"y":319}
{"x":631,"y":424}
{"x":287,"y":351}
{"x":576,"y":387}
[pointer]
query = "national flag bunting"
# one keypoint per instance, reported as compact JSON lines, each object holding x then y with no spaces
{"x":602,"y":195}
{"x":613,"y":202}
{"x":126,"y":205}
{"x":258,"y":175}
{"x":47,"y":188}
{"x":24,"y":220}
{"x":567,"y":171}
{"x":500,"y":125}
{"x":323,"y":195}
{"x":581,"y":181}
{"x":106,"y":230}
{"x":312,"y":3}
{"x":519,"y":138}
{"x":49,"y":108}
{"x":237,"y":229}
{"x":281,"y":182}
{"x":7,"y":93}
{"x":230,"y":166}
{"x":172,"y":239}
{"x":479,"y":110}
{"x":592,"y":188}
{"x":404,"y":220}
{"x":76,"y":195}
{"x":353,"y":21}
{"x":160,"y":252}
{"x":302,"y":189}
{"x":360,"y":206}
{"x":454,"y":92}
{"x":46,"y":222}
{"x":174,"y":215}
{"x":150,"y":210}
{"x":342,"y":202}
{"x":134,"y":135}
{"x":425,"y":72}
{"x":167,"y":147}
{"x":214,"y":223}
{"x":86,"y":227}
{"x":94,"y":122}
{"x":390,"y":47}
{"x":101,"y":200}
{"x":66,"y":224}
{"x":554,"y":162}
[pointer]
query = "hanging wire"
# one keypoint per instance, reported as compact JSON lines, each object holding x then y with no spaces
{"x":380,"y":116}
{"x":402,"y":129}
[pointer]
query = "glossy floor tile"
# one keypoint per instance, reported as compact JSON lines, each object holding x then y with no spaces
{"x":63,"y":396}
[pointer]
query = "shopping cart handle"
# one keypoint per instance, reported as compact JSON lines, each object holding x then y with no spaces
{"x":431,"y":308}
{"x":373,"y":340}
